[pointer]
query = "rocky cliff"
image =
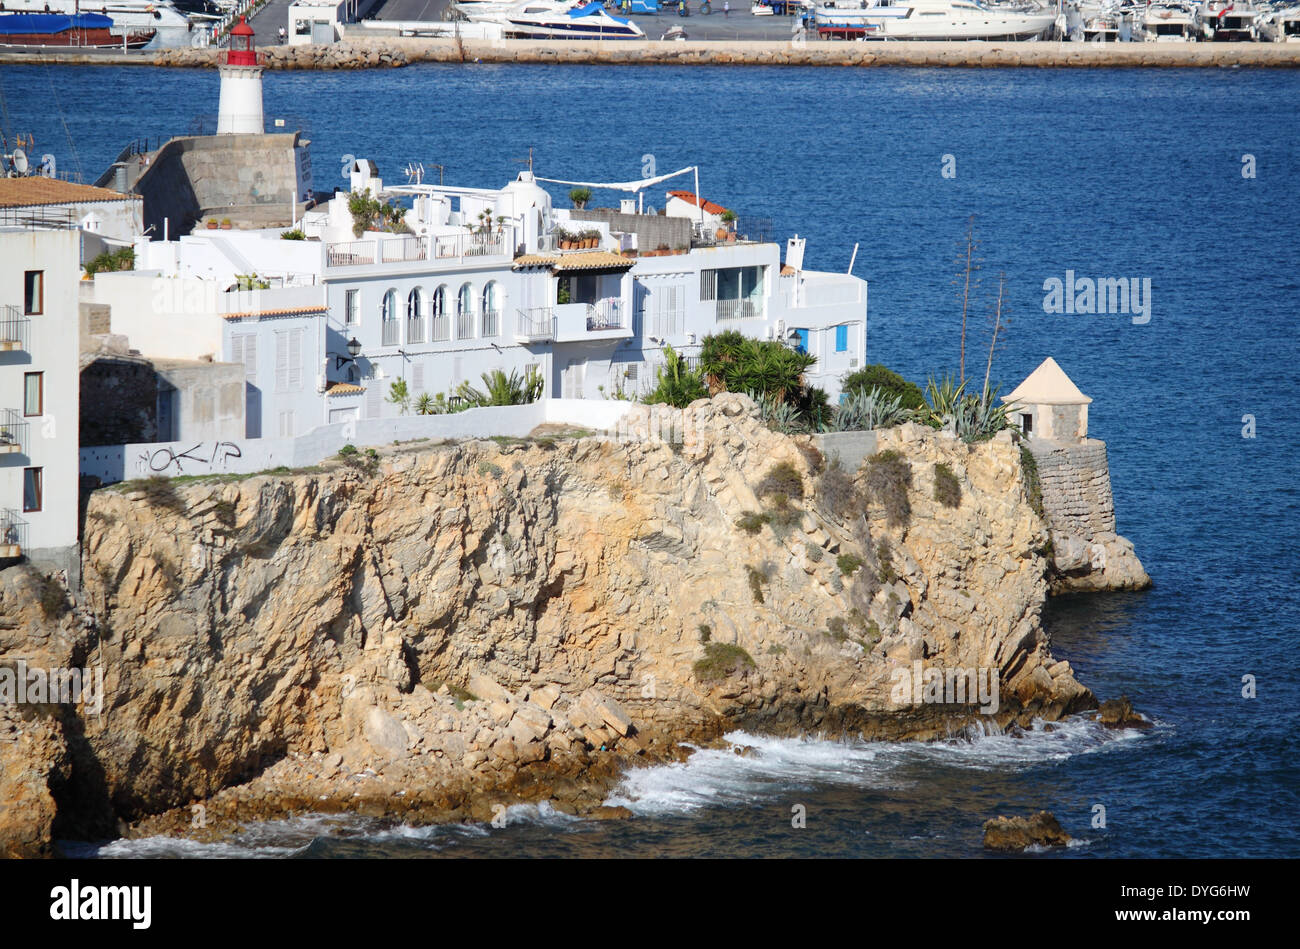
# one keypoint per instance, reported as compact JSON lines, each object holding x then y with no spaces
{"x":466,"y":623}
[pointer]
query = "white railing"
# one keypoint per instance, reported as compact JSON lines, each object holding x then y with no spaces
{"x":414,"y":329}
{"x":536,"y":323}
{"x":392,"y":333}
{"x":403,"y":250}
{"x":826,"y":293}
{"x":739,"y":309}
{"x":606,"y":315}
{"x":491,"y":323}
{"x":465,"y":325}
{"x":395,"y":250}
{"x":350,"y":254}
{"x":441,"y":326}
{"x":456,"y":246}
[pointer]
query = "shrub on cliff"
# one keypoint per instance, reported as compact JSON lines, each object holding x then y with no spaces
{"x":1033,"y":486}
{"x":722,"y":661}
{"x":890,"y":383}
{"x":160,"y":492}
{"x":888,"y":479}
{"x":836,"y":490}
{"x":781,"y":478}
{"x":947,"y":489}
{"x":676,"y":383}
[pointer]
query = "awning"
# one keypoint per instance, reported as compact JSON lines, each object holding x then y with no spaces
{"x":569,"y":263}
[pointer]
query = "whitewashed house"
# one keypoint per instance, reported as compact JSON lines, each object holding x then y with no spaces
{"x":39,"y":415}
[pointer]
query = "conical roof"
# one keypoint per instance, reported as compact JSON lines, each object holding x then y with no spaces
{"x":1047,"y":385}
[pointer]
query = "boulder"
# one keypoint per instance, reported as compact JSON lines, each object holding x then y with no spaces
{"x":385,"y":733}
{"x":1119,"y":713}
{"x":488,"y":689}
{"x":1014,"y":834}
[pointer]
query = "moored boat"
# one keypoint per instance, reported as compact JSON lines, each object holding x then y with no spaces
{"x":57,"y":30}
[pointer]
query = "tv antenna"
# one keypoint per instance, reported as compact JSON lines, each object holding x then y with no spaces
{"x":441,"y":169}
{"x":526,"y":161}
{"x":414,"y":172}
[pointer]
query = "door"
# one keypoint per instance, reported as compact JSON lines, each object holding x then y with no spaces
{"x":574,"y":378}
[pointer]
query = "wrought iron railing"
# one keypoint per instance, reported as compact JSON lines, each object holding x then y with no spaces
{"x":13,"y":431}
{"x":13,"y":533}
{"x":14,"y":328}
{"x":606,"y":315}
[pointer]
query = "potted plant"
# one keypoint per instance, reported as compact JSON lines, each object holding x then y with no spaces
{"x":720,"y":233}
{"x":212,"y":224}
{"x":580,"y":197}
{"x":729,"y":219}
{"x":225,"y":223}
{"x":662,"y":250}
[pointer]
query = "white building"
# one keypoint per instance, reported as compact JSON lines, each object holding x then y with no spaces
{"x":109,"y":219}
{"x":471,"y":280}
{"x":317,"y":21}
{"x":39,"y":417}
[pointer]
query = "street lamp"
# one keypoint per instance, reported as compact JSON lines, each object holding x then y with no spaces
{"x":354,"y":350}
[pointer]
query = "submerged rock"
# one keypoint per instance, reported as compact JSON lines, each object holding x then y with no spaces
{"x":1014,"y":834}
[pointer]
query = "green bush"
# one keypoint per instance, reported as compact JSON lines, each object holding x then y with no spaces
{"x":676,"y":384}
{"x":706,"y":632}
{"x":50,"y":595}
{"x":885,"y":571}
{"x":756,"y":581}
{"x":848,"y":564}
{"x":947,"y":489}
{"x":752,"y":522}
{"x":836,"y":490}
{"x":781,"y":478}
{"x":888,"y":479}
{"x":722,"y":661}
{"x":891,"y":384}
{"x":160,"y":492}
{"x":121,"y":259}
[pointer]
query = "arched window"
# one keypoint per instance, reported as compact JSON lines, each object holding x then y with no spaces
{"x":465,"y":312}
{"x":392,"y":335}
{"x":441,"y":321}
{"x":492,"y":309}
{"x":415,"y":316}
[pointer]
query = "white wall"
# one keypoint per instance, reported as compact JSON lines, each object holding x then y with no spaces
{"x":245,"y":456}
{"x":52,"y":349}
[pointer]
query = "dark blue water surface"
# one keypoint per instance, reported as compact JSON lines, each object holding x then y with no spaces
{"x":1108,"y":173}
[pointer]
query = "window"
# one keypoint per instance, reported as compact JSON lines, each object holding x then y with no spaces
{"x":388,"y":310}
{"x":415,"y":316}
{"x":417,"y":377}
{"x":352,"y":307}
{"x":32,"y":489}
{"x":288,"y":360}
{"x":34,"y":292}
{"x":465,"y":312}
{"x":841,"y":339}
{"x":491,"y":309}
{"x":286,"y":424}
{"x":243,"y":348}
{"x":34,"y":393}
{"x":441,"y":324}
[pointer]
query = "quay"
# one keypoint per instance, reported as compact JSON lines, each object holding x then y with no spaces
{"x":396,"y":51}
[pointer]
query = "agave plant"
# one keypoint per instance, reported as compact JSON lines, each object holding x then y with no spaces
{"x":864,"y":411}
{"x":941,"y":401}
{"x":978,"y":418}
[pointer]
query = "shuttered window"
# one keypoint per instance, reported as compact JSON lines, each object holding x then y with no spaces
{"x":243,"y":348}
{"x":288,"y":360}
{"x":708,"y":284}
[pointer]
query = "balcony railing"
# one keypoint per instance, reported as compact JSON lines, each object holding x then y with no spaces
{"x":13,"y":534}
{"x":465,"y":325}
{"x":13,"y":432}
{"x":350,"y":254}
{"x":441,"y":325}
{"x":14,"y":328}
{"x":606,"y":315}
{"x":491,"y":323}
{"x":392,"y":333}
{"x":414,"y":329}
{"x":403,"y":249}
{"x":739,"y":310}
{"x":535,"y":323}
{"x":468,"y":245}
{"x":394,"y":250}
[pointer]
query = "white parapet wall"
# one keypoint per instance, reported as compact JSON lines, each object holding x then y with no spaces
{"x":115,"y":463}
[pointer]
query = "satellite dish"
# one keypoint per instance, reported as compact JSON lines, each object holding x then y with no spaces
{"x":19,"y":159}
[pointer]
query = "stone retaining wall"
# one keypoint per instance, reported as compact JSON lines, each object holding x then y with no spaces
{"x":1076,"y":486}
{"x":399,"y":51}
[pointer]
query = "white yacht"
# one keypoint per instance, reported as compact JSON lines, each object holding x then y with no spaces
{"x":1168,"y":23}
{"x":172,"y":27}
{"x":939,"y":20}
{"x":1229,"y":21}
{"x":548,"y":19}
{"x":1281,"y":26}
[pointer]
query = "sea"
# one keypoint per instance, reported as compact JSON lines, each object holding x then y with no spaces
{"x":1186,"y":178}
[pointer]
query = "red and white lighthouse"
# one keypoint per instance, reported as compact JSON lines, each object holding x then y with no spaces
{"x":240,"y":108}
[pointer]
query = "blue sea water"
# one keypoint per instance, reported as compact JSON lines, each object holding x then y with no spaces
{"x":1125,"y":173}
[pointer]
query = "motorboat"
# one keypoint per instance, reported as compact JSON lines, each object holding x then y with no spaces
{"x":547,"y":20}
{"x":169,"y":26}
{"x":1281,"y":26}
{"x":1168,"y":23}
{"x":939,"y":20}
{"x":59,"y":30}
{"x":1229,"y":21}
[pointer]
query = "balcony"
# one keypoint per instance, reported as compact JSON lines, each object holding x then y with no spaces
{"x":14,"y":328}
{"x":465,"y":325}
{"x":491,"y":323}
{"x":392,"y":333}
{"x":13,"y":432}
{"x":414,"y":329}
{"x":574,"y":322}
{"x":387,"y":250}
{"x":13,"y":534}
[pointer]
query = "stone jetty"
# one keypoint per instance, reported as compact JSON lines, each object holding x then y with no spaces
{"x":391,"y":52}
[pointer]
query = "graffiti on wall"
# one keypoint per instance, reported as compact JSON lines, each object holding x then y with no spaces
{"x":163,"y":460}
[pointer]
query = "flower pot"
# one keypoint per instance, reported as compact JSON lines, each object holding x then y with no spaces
{"x":731,"y":236}
{"x":212,"y":225}
{"x":225,"y":226}
{"x":720,"y":233}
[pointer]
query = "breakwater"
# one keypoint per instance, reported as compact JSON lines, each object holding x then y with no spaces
{"x":391,"y":52}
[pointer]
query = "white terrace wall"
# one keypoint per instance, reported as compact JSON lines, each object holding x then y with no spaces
{"x":116,"y":463}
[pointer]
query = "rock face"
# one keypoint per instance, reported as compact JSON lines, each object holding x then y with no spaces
{"x":1014,"y":834}
{"x":485,"y":612}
